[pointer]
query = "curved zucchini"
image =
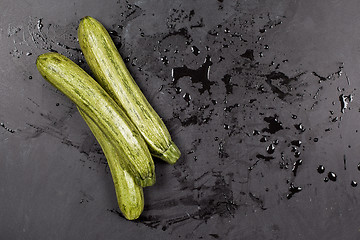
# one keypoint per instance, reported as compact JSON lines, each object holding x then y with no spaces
{"x":129,"y":195}
{"x":88,"y":95}
{"x":111,"y":73}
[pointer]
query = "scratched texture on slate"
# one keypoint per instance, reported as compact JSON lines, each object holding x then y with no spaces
{"x":260,"y":96}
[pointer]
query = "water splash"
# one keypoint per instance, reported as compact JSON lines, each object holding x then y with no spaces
{"x":200,"y":75}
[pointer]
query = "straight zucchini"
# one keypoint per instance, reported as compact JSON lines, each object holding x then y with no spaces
{"x":111,"y":73}
{"x":129,"y":195}
{"x":88,"y":95}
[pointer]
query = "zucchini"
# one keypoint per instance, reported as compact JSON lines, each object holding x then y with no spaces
{"x":88,"y":95}
{"x":129,"y":195}
{"x":111,"y":73}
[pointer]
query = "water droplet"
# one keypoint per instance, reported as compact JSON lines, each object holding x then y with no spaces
{"x":274,"y":76}
{"x":57,"y":104}
{"x":344,"y":101}
{"x":113,"y":32}
{"x":213,"y":33}
{"x":283,"y":165}
{"x":263,"y":139}
{"x":316,"y":139}
{"x":266,"y":158}
{"x":296,"y":166}
{"x":228,"y":83}
{"x":165,"y":60}
{"x":195,"y":50}
{"x":332,"y":176}
{"x":226,"y":127}
{"x":358,"y":166}
{"x":261,"y":54}
{"x":28,"y":54}
{"x":293,"y":116}
{"x":274,"y":124}
{"x":321,"y":169}
{"x":187,"y":98}
{"x":296,"y":143}
{"x":226,"y":30}
{"x":293,"y":189}
{"x":133,"y":62}
{"x":6,"y":128}
{"x":230,"y":108}
{"x":270,"y":149}
{"x":300,"y":127}
{"x":39,"y":24}
{"x":256,"y":132}
{"x":249,"y":54}
{"x":178,"y":90}
{"x":326,"y":179}
{"x":297,"y":153}
{"x":263,"y":30}
{"x":30,"y":77}
{"x":353,"y":183}
{"x":221,"y":151}
{"x":266,"y":46}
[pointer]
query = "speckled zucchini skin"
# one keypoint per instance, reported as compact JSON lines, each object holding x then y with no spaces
{"x":129,"y":195}
{"x":111,"y":73}
{"x":91,"y":98}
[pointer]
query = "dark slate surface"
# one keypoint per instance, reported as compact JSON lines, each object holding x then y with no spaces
{"x":256,"y":94}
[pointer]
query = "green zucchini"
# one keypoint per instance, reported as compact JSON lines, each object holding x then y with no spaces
{"x":111,"y":73}
{"x":88,"y":95}
{"x":129,"y":195}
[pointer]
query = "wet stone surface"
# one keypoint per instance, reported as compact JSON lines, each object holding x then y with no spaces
{"x":260,"y":97}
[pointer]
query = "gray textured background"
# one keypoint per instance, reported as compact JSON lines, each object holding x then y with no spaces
{"x":291,"y":60}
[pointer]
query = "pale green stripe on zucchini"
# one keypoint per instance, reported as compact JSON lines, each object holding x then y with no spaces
{"x":111,"y":73}
{"x":129,"y":195}
{"x":92,"y":99}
